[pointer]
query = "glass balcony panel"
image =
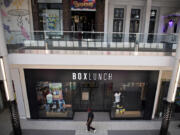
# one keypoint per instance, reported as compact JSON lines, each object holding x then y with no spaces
{"x":73,"y":40}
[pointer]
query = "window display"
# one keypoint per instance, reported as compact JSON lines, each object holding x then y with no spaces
{"x":58,"y":93}
{"x":177,"y":101}
{"x":128,"y":100}
{"x":50,"y":18}
{"x":54,"y":99}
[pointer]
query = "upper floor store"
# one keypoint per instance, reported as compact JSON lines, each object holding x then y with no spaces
{"x":82,"y":24}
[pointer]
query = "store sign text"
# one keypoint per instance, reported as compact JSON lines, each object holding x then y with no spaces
{"x":83,"y":4}
{"x":92,"y":76}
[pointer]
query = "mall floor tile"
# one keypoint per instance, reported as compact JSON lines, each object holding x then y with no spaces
{"x":5,"y":122}
{"x":48,"y":132}
{"x":139,"y":132}
{"x":98,"y":116}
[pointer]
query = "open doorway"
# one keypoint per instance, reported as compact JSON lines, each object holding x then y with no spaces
{"x":83,"y":21}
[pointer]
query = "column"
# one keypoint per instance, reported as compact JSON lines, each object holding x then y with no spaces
{"x":157,"y":94}
{"x":175,"y":76}
{"x":127,"y":22}
{"x":3,"y":54}
{"x":147,"y":19}
{"x":106,"y":20}
{"x":4,"y":67}
{"x":171,"y":93}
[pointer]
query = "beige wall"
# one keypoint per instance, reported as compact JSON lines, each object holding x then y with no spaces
{"x":166,"y":76}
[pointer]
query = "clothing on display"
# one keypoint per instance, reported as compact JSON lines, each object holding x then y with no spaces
{"x":117,"y":97}
{"x":49,"y":98}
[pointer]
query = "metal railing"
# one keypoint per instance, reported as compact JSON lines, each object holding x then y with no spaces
{"x":78,"y":40}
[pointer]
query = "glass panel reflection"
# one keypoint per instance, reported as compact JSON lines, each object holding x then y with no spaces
{"x":128,"y":100}
{"x":118,"y":24}
{"x":54,"y":99}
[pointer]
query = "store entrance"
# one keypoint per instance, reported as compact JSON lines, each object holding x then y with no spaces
{"x":92,"y":95}
{"x":83,"y":21}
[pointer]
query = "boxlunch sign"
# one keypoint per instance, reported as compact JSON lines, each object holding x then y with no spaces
{"x":83,"y":5}
{"x":92,"y":76}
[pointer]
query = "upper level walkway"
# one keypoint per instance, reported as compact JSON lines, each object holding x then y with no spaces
{"x":99,"y":43}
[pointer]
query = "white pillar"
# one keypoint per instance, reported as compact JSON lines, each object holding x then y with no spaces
{"x":157,"y":94}
{"x":127,"y":23}
{"x":106,"y":12}
{"x":5,"y":66}
{"x":147,"y":19}
{"x":175,"y":76}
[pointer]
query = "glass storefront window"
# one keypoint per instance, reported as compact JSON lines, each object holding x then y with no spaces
{"x":134,"y":23}
{"x":177,"y":101}
{"x":51,"y":19}
{"x":54,"y":99}
{"x":118,"y":23}
{"x":152,"y":24}
{"x":59,"y":93}
{"x":129,"y":100}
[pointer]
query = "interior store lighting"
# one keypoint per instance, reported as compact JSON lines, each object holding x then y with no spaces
{"x":4,"y":78}
{"x":171,"y":23}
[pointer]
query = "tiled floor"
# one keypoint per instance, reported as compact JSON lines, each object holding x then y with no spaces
{"x":48,"y":132}
{"x":5,"y":122}
{"x":134,"y":132}
{"x":99,"y":116}
{"x":103,"y":125}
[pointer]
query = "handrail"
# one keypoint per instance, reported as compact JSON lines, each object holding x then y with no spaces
{"x":98,"y":32}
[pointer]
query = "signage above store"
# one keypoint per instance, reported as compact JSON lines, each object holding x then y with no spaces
{"x":92,"y":76}
{"x":49,"y":1}
{"x":83,"y":5}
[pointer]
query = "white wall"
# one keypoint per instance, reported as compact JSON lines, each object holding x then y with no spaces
{"x":19,"y":92}
{"x":158,"y":62}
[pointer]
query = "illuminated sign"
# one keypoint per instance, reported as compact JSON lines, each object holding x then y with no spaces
{"x":92,"y":76}
{"x":83,"y":5}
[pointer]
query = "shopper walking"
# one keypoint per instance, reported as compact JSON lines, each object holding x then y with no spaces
{"x":89,"y":120}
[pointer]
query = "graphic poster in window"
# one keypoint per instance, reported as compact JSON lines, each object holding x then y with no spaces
{"x":85,"y":95}
{"x":52,"y":20}
{"x":56,"y":90}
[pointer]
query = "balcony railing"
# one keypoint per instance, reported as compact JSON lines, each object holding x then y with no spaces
{"x":98,"y":41}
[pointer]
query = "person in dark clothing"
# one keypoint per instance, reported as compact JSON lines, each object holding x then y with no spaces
{"x":89,"y":120}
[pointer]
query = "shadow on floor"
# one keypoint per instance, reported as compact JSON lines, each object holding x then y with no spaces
{"x":98,"y":116}
{"x":47,"y":132}
{"x":5,"y":122}
{"x":134,"y":132}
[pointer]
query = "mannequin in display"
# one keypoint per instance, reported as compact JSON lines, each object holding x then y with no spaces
{"x":61,"y":101}
{"x":117,"y":97}
{"x":49,"y":98}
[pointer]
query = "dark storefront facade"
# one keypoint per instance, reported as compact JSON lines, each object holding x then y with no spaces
{"x":68,"y":15}
{"x":59,"y":93}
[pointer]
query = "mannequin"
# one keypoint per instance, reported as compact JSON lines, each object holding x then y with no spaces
{"x":117,"y":97}
{"x":49,"y":98}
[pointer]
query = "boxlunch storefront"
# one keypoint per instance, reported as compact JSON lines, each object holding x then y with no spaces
{"x":59,"y":93}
